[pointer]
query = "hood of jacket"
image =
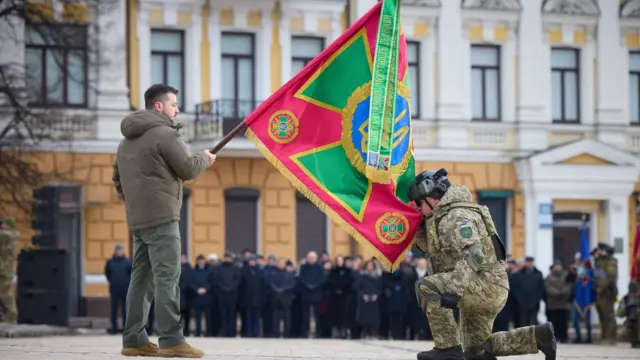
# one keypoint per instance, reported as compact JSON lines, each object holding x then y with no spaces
{"x":456,"y":193}
{"x":139,"y":122}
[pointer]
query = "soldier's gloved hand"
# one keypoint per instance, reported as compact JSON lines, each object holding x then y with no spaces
{"x":449,"y":301}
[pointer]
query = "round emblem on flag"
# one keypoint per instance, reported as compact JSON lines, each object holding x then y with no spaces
{"x":355,"y":131}
{"x":392,"y":228}
{"x":283,"y":126}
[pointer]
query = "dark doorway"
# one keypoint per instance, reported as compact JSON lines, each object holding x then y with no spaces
{"x":241,"y":219}
{"x":311,"y":227}
{"x":498,"y":209}
{"x":566,"y":236}
{"x":354,"y":246}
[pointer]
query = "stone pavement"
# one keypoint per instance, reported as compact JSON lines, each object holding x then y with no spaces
{"x":108,"y":347}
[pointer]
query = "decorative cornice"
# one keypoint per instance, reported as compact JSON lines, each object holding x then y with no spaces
{"x":500,"y":5}
{"x":571,"y":7}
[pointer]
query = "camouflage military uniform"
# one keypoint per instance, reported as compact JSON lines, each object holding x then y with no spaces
{"x":628,"y":308}
{"x":8,"y":239}
{"x":606,"y":276}
{"x":456,"y":228}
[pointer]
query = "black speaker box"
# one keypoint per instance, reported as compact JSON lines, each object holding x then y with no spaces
{"x":43,"y":307}
{"x":43,"y":270}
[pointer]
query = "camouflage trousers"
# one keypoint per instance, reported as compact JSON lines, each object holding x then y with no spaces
{"x":608,"y":325}
{"x":479,"y":305}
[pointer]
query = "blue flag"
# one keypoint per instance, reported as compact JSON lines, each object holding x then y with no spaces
{"x":585,"y":294}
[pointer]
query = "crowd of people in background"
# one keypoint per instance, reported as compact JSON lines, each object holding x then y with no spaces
{"x":345,"y":297}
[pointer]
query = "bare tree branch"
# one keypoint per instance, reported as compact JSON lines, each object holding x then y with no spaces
{"x":49,"y":66}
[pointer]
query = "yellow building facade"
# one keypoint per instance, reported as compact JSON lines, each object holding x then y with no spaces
{"x":516,"y":164}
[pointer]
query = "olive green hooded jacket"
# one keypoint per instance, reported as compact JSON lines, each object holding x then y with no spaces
{"x":152,"y":162}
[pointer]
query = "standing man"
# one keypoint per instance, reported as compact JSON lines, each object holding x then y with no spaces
{"x":466,"y":261}
{"x":118,"y":272}
{"x":151,"y":164}
{"x":606,"y":279}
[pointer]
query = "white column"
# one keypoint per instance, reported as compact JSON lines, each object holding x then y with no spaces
{"x":112,"y":82}
{"x":336,"y":26}
{"x":215,"y":53}
{"x":427,"y":80}
{"x":285,"y":47}
{"x":359,"y":8}
{"x":533,"y":71}
{"x":193,"y":71}
{"x":587,"y":106}
{"x":531,"y":96}
{"x":610,"y":106}
{"x":464,"y":64}
{"x":450,"y":83}
{"x":263,"y":63}
{"x":507,"y":83}
{"x":144,"y":53}
{"x":542,"y":237}
{"x":618,"y":228}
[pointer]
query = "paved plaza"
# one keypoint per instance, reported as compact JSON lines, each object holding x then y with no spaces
{"x":108,"y":347}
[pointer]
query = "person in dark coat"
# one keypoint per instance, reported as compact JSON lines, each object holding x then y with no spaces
{"x":501,"y":323}
{"x":396,"y":296}
{"x":409,"y":278}
{"x":369,"y":292}
{"x":339,"y":283}
{"x":118,"y":273}
{"x":282,"y":283}
{"x":296,"y":304}
{"x":252,"y":296}
{"x":200,"y":283}
{"x":311,"y":278}
{"x":529,"y":291}
{"x":352,"y":306}
{"x":226,"y":281}
{"x":267,"y":315}
{"x":418,"y":319}
{"x":186,"y":294}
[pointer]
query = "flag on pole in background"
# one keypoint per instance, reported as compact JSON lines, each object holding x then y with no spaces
{"x":585,"y":295}
{"x":340,"y":132}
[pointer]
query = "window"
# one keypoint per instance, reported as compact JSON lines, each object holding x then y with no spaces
{"x":238,"y":74}
{"x":413,"y":60}
{"x":303,"y":50}
{"x":241,"y":219}
{"x":56,"y":65}
{"x":167,"y":60}
{"x":634,"y":87}
{"x":485,"y":82}
{"x":564,"y":85}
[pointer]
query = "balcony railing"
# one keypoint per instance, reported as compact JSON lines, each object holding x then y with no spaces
{"x":216,"y":118}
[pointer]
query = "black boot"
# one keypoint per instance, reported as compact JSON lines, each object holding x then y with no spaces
{"x":452,"y":353}
{"x":546,"y":340}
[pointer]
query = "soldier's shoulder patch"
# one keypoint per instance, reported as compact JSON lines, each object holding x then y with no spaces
{"x":465,"y":229}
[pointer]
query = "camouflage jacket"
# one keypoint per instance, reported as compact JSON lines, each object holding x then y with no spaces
{"x":456,"y":228}
{"x":606,"y":277}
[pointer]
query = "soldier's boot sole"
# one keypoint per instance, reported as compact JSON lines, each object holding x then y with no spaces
{"x":180,"y":351}
{"x":453,"y":353}
{"x":137,"y":352}
{"x":546,"y":340}
{"x":149,"y":349}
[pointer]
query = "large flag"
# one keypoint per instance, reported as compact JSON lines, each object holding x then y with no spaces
{"x":340,"y":132}
{"x":635,"y":259}
{"x":585,"y":294}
